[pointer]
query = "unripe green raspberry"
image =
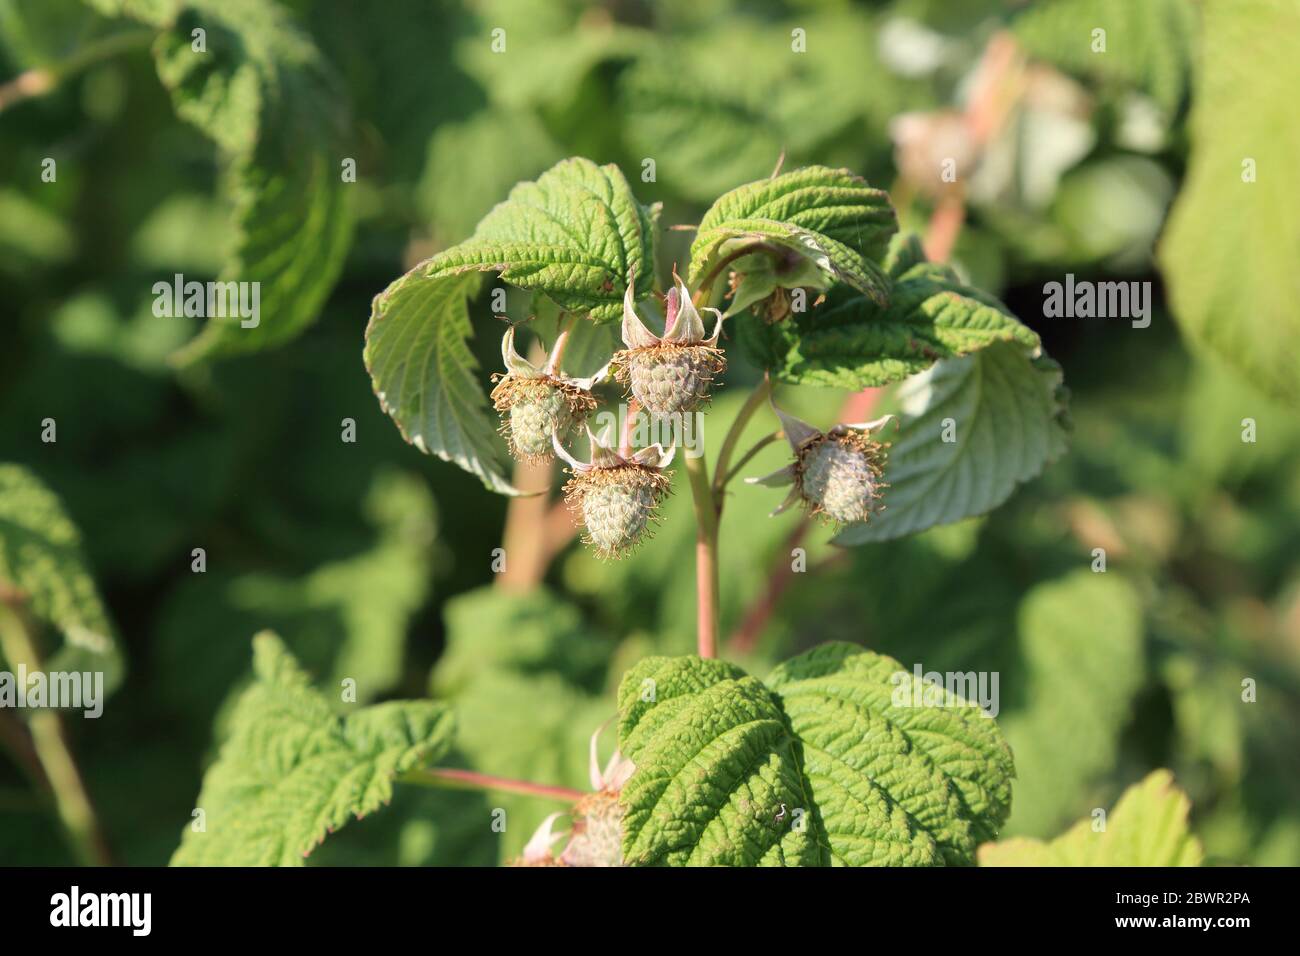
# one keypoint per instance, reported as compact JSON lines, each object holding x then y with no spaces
{"x":533,"y":420}
{"x":537,"y":403}
{"x":835,"y":474}
{"x":597,"y":838}
{"x":667,"y":379}
{"x":536,"y":408}
{"x":617,"y":505}
{"x":673,"y":372}
{"x":617,"y":492}
{"x":839,"y":479}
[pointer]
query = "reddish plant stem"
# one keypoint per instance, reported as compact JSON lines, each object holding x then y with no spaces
{"x":856,"y":408}
{"x":473,"y":780}
{"x":945,"y":226}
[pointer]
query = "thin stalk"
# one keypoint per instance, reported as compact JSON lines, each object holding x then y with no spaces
{"x":449,"y":778}
{"x":72,"y":802}
{"x":567,"y":323}
{"x":744,"y":460}
{"x":706,"y":557}
{"x":42,"y":79}
{"x":729,"y":442}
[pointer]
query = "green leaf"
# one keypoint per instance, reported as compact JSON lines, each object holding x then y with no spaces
{"x":1002,"y":409}
{"x":841,"y":759}
{"x":576,"y":234}
{"x":829,"y":216}
{"x":896,"y":780}
{"x":41,"y":558}
{"x":851,"y":342}
{"x":292,"y":770}
{"x":1231,"y":246}
{"x":1081,"y":646}
{"x":262,"y":92}
{"x":716,"y":767}
{"x":1148,"y":827}
{"x":1148,"y":44}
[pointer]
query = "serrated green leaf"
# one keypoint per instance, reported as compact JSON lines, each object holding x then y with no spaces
{"x":1002,"y":409}
{"x":292,"y":770}
{"x":716,"y":767}
{"x":262,"y":92}
{"x":1148,"y":43}
{"x":825,"y":765}
{"x":1148,"y":827}
{"x":40,"y":557}
{"x":576,"y":235}
{"x":1231,"y":246}
{"x":829,"y":216}
{"x":851,"y":342}
{"x":893,"y":783}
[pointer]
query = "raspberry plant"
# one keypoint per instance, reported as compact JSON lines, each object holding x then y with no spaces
{"x":818,"y":764}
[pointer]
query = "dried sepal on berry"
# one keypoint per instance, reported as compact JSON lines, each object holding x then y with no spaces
{"x":596,"y":834}
{"x":617,"y":497}
{"x":537,"y":403}
{"x":835,"y":474}
{"x":672,"y":372}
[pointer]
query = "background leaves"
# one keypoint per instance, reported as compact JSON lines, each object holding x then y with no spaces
{"x":243,"y":456}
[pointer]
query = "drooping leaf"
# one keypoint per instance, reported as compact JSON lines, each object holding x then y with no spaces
{"x":262,"y":92}
{"x":829,"y":216}
{"x":717,"y":779}
{"x":1147,"y":45}
{"x":1232,"y":243}
{"x":292,"y":769}
{"x":851,"y":342}
{"x":901,"y":772}
{"x":972,"y":429}
{"x":576,"y":235}
{"x":1148,"y":827}
{"x":843,"y":758}
{"x":41,"y":560}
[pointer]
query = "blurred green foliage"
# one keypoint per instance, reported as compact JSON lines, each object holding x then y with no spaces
{"x":374,"y":562}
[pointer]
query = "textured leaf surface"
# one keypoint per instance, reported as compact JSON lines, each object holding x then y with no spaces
{"x":292,"y":770}
{"x":851,"y":342}
{"x":1231,"y":247}
{"x":819,"y":767}
{"x":893,"y":783}
{"x":1002,"y":409}
{"x":40,"y":556}
{"x":1148,"y":827}
{"x":262,"y":92}
{"x":829,"y":216}
{"x":575,"y":234}
{"x":1148,"y":43}
{"x":716,"y":768}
